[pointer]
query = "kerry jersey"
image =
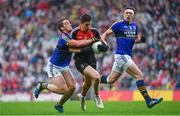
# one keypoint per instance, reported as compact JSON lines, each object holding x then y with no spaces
{"x":59,"y":57}
{"x":125,"y":34}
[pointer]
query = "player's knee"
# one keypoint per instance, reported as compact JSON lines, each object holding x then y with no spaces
{"x":64,"y":89}
{"x":72,"y":88}
{"x":97,"y":80}
{"x":96,"y":76}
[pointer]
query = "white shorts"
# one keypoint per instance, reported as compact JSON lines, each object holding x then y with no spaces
{"x":55,"y":71}
{"x":121,"y":63}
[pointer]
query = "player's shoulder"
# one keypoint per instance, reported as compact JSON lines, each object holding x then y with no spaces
{"x":74,"y":32}
{"x":76,"y":29}
{"x":119,"y":22}
{"x":94,"y":29}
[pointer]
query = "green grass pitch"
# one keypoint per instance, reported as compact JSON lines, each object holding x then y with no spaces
{"x":73,"y":108}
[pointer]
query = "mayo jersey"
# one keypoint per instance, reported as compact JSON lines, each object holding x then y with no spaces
{"x":79,"y":34}
{"x":61,"y":57}
{"x":125,"y":34}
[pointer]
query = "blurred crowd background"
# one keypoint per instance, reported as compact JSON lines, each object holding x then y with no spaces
{"x":28,"y":36}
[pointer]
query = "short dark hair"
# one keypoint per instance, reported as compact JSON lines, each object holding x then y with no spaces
{"x":60,"y":24}
{"x":85,"y":18}
{"x":129,"y":7}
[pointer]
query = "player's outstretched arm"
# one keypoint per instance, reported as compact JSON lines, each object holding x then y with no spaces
{"x":80,"y":50}
{"x":106,"y":34}
{"x":81,"y":43}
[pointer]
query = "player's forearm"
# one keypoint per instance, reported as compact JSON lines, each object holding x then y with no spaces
{"x":80,"y":50}
{"x":74,"y":50}
{"x":79,"y":43}
{"x":105,"y":35}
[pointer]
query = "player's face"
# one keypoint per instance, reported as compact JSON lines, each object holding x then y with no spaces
{"x":86,"y":26}
{"x":67,"y":26}
{"x":128,"y":15}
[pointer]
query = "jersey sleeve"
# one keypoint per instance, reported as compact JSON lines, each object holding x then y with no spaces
{"x":62,"y":42}
{"x":115,"y":26}
{"x":73,"y":34}
{"x":96,"y":33}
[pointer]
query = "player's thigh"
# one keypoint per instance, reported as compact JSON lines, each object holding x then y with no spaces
{"x":117,"y":70}
{"x":55,"y":76}
{"x":91,"y":73}
{"x":69,"y":78}
{"x":134,"y":71}
{"x":59,"y":82}
{"x":80,"y":65}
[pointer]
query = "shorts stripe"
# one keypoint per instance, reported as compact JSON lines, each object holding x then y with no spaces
{"x":122,"y":62}
{"x":51,"y":70}
{"x":124,"y":58}
{"x":55,"y":71}
{"x":125,"y":61}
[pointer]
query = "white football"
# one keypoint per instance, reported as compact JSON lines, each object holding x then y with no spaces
{"x":95,"y":47}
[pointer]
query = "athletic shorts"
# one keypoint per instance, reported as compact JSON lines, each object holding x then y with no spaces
{"x":82,"y":64}
{"x":56,"y":71}
{"x":121,"y":63}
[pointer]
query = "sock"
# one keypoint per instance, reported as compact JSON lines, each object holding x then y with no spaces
{"x":104,"y":79}
{"x":83,"y":94}
{"x":142,"y":88}
{"x":59,"y":104}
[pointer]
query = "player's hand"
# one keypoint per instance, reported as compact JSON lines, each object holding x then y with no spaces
{"x":94,"y":39}
{"x":103,"y":47}
{"x":86,"y":49}
{"x":143,"y":39}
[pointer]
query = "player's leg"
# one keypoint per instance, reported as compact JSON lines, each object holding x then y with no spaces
{"x":85,"y":87}
{"x":56,"y":85}
{"x":97,"y":97}
{"x":71,"y":84}
{"x":96,"y":86}
{"x":134,"y":71}
{"x":89,"y":75}
{"x":113,"y":77}
{"x":95,"y":82}
{"x":55,"y":79}
{"x":115,"y":73}
{"x":83,"y":67}
{"x":52,"y":85}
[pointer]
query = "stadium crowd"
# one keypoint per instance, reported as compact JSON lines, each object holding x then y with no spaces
{"x":28,"y":35}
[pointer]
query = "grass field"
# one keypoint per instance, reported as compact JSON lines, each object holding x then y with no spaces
{"x":73,"y":108}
